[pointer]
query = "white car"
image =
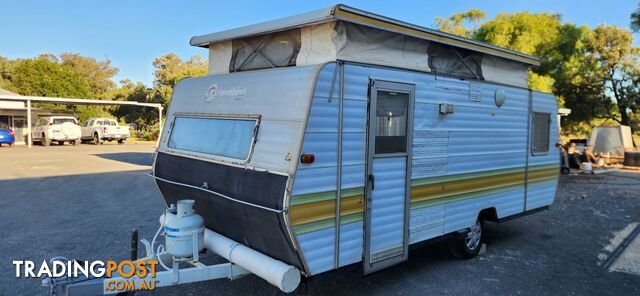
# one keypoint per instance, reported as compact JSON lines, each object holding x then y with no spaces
{"x":58,"y":129}
{"x":104,"y":129}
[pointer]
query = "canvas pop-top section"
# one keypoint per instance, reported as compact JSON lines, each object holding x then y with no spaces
{"x":349,"y":34}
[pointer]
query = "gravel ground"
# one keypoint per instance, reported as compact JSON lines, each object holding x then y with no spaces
{"x":88,"y":213}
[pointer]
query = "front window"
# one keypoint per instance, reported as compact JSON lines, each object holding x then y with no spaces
{"x":226,"y":137}
{"x":63,"y":120}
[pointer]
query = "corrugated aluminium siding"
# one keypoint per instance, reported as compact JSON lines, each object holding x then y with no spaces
{"x":462,"y":163}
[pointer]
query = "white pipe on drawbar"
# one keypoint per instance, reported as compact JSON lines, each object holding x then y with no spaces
{"x":277,"y":273}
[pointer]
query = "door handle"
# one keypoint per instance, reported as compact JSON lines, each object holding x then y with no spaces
{"x":372,"y":179}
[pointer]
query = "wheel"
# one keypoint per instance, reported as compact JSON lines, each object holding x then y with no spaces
{"x":61,"y":143}
{"x":565,"y":171}
{"x":75,"y":142}
{"x":120,"y":142}
{"x":468,"y":245}
{"x":96,"y":139}
{"x":44,"y":140}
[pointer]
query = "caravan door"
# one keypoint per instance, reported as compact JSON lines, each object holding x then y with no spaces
{"x":388,"y":174}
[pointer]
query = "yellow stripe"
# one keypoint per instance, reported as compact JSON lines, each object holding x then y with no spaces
{"x":323,"y":210}
{"x":444,"y":189}
{"x":349,"y":16}
{"x":313,"y":212}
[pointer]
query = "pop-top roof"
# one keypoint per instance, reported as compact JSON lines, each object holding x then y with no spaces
{"x":353,"y":15}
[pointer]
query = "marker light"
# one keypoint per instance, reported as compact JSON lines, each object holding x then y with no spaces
{"x":307,"y":158}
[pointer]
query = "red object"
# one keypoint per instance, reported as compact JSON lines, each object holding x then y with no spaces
{"x":307,"y":158}
{"x":10,"y":131}
{"x":50,"y":123}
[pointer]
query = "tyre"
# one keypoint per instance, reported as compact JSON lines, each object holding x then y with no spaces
{"x":61,"y":143}
{"x":468,"y":245}
{"x":565,"y":171}
{"x":96,"y":139}
{"x":120,"y":142}
{"x":75,"y":143}
{"x":44,"y":140}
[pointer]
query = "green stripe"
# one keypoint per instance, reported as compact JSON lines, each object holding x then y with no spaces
{"x":352,"y":192}
{"x":322,"y":196}
{"x":443,"y":200}
{"x":355,"y":217}
{"x":330,"y":195}
{"x":312,"y":197}
{"x":448,"y":178}
{"x":327,"y":223}
{"x":314,"y":226}
{"x":448,"y":199}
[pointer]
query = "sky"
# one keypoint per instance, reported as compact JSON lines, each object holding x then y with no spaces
{"x":132,"y":33}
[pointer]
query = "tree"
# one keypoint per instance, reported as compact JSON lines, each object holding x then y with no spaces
{"x":43,"y":77}
{"x":635,"y":20}
{"x":524,"y":32}
{"x":99,"y":74}
{"x":5,"y":72}
{"x":610,"y":48}
{"x":531,"y":33}
{"x":170,"y":68}
{"x":573,"y":77}
{"x":138,"y":92}
{"x":457,"y":23}
{"x":593,"y":72}
{"x":70,"y":75}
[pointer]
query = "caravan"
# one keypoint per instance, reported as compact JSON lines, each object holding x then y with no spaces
{"x":347,"y":136}
{"x":341,"y":137}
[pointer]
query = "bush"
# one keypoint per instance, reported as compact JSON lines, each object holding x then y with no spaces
{"x":149,"y":133}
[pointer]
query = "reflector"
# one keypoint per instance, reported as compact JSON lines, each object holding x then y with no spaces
{"x":307,"y":158}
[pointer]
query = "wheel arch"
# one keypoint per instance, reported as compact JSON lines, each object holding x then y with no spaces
{"x":489,"y":214}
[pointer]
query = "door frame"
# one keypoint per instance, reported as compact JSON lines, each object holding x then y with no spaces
{"x":376,"y":85}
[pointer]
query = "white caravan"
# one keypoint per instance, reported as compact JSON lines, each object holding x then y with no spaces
{"x":340,"y":136}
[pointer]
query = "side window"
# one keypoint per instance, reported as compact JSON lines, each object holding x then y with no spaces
{"x":540,"y":133}
{"x":391,"y":122}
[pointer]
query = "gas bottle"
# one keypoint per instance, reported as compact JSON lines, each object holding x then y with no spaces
{"x":180,"y":227}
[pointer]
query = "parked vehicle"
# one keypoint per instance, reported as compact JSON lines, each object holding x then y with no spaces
{"x":58,"y":129}
{"x":6,"y":135}
{"x":98,"y":130}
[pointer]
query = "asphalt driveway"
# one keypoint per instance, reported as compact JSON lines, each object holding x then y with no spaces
{"x":82,"y":202}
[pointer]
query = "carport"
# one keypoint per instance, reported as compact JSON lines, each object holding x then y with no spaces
{"x":74,"y":101}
